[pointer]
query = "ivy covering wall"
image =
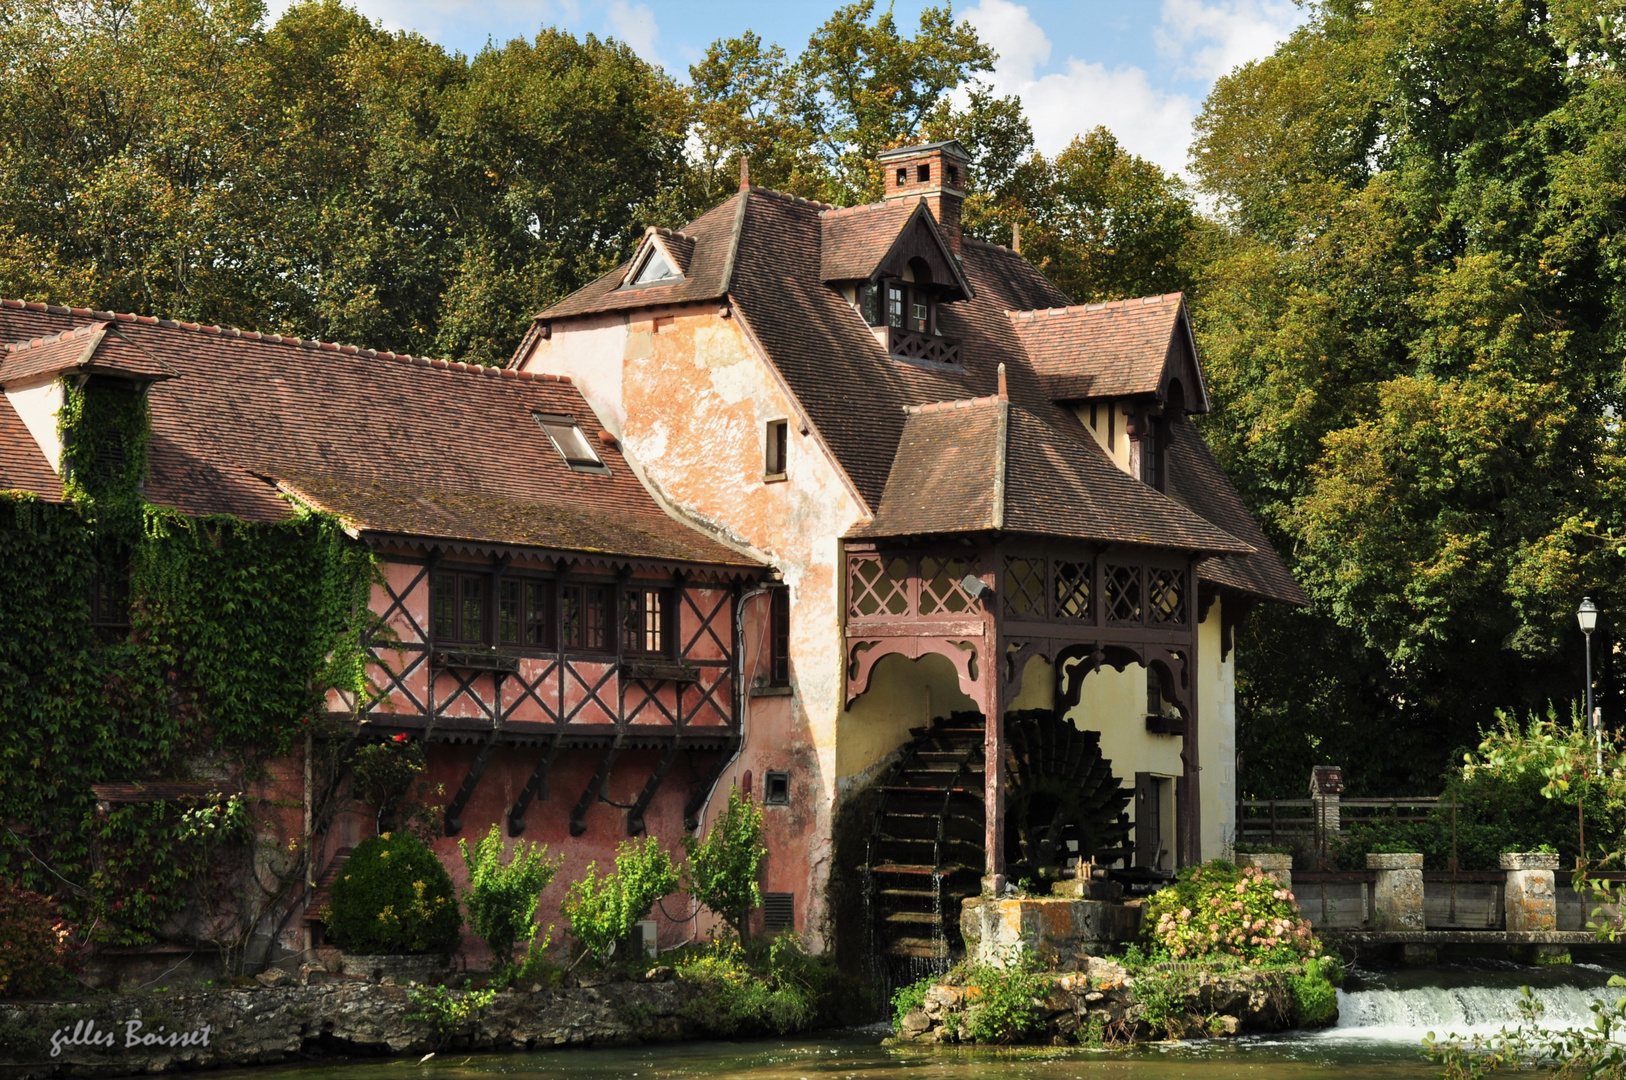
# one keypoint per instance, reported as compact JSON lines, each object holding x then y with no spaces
{"x":237,"y":630}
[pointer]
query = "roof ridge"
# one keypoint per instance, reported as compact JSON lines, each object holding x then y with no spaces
{"x":831,"y":210}
{"x":788,"y":197}
{"x":52,"y":339}
{"x":105,"y":318}
{"x":1104,"y":305}
{"x":945,"y":406}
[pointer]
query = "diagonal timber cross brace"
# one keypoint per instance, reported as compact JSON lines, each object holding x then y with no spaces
{"x":635,"y":816}
{"x":535,"y":788}
{"x":477,"y":769}
{"x":594,"y":790}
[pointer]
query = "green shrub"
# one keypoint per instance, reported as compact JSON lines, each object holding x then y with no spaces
{"x":502,"y":897}
{"x":36,"y":947}
{"x":1315,"y":1001}
{"x":449,"y":1013}
{"x":1216,"y":909}
{"x":1161,"y":997}
{"x":725,"y":869}
{"x":1003,"y":1003}
{"x":906,"y":999}
{"x":393,"y":897}
{"x":778,"y":990}
{"x":603,"y":911}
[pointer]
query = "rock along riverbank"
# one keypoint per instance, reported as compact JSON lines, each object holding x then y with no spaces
{"x":119,"y":1035}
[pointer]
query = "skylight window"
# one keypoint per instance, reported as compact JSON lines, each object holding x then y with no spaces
{"x":655,"y":268}
{"x":572,"y":445}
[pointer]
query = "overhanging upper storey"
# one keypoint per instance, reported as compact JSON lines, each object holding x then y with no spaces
{"x":1141,"y":348}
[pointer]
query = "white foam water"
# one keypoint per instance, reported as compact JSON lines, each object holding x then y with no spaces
{"x":1407,"y":1015}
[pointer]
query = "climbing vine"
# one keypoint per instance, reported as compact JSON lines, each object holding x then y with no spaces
{"x":237,"y":633}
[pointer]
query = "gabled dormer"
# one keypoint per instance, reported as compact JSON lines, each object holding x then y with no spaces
{"x":895,"y":266}
{"x":662,"y":259}
{"x":1128,"y":370}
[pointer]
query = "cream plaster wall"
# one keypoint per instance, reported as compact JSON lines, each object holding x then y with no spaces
{"x":902,"y":694}
{"x":1216,"y":737}
{"x":689,"y":400}
{"x":1111,"y":429}
{"x":38,"y":406}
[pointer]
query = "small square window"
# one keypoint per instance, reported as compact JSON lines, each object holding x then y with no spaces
{"x":572,"y":444}
{"x":775,"y":447}
{"x":776,"y":789}
{"x":954,"y":174}
{"x":903,"y":176}
{"x":923,"y":173}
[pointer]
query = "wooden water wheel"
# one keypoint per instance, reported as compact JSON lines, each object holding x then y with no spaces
{"x":926,"y":843}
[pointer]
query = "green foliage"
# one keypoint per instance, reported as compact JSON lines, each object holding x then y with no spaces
{"x":36,"y":946}
{"x":779,"y":989}
{"x":1004,"y":1003}
{"x":906,"y":999}
{"x":393,"y":897}
{"x":1315,"y":999}
{"x":104,"y":430}
{"x":603,"y":911}
{"x":1217,"y":910}
{"x":502,"y":897}
{"x":450,"y":1013}
{"x":724,"y":872}
{"x":1160,"y":997}
{"x":1523,"y":789}
{"x":382,"y":774}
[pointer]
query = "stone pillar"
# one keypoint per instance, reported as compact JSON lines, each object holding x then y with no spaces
{"x":1326,"y":786}
{"x":1530,"y":901}
{"x":1397,"y":897}
{"x":1278,"y":868}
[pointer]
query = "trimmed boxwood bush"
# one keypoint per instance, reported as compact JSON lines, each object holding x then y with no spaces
{"x":393,"y":897}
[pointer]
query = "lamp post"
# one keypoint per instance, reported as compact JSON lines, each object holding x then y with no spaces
{"x":1587,"y":616}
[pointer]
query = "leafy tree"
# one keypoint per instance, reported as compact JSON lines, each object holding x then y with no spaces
{"x":603,"y":911}
{"x":501,"y":898}
{"x":725,"y":869}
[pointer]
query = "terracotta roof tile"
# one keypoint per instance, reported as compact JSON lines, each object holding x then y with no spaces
{"x":1116,"y":349}
{"x":856,"y":238}
{"x":983,"y":464}
{"x":22,"y":466}
{"x":453,"y":446}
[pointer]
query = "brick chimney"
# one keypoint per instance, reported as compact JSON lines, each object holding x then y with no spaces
{"x":935,"y":173}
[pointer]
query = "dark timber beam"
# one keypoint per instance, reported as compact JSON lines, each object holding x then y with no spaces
{"x":535,"y":788}
{"x":477,"y":769}
{"x":595,"y":789}
{"x":635,"y":816}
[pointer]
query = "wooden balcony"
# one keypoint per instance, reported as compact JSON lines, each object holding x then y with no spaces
{"x":912,"y":346}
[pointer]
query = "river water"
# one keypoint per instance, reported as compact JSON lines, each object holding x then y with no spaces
{"x":1382,"y":1020}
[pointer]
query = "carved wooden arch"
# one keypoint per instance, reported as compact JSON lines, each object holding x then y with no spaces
{"x":1017,"y":655}
{"x":1172,"y":665}
{"x":864,"y":653}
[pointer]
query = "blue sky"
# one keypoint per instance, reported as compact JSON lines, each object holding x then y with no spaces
{"x":1141,"y":67}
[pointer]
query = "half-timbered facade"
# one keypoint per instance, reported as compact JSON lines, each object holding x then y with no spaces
{"x":572,"y":655}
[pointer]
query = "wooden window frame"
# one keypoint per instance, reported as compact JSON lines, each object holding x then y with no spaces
{"x":536,"y":616}
{"x":641,"y":635}
{"x":775,"y":451}
{"x":779,"y":637}
{"x":462,"y":580}
{"x":587,"y":597}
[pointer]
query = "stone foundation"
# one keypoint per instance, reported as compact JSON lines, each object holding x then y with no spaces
{"x":270,"y":1024}
{"x":1097,"y":1003}
{"x":1063,"y":931}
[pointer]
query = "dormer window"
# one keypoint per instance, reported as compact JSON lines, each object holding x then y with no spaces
{"x":655,"y":268}
{"x":572,"y":445}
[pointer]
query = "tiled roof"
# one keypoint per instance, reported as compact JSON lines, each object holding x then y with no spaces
{"x":679,"y":245}
{"x":22,"y":466}
{"x":984,"y":464}
{"x":857,"y":238}
{"x":94,"y":348}
{"x":1116,"y":349}
{"x":855,"y":396}
{"x":705,"y":277}
{"x":395,"y":443}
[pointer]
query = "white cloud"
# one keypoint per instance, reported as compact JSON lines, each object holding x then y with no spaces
{"x":1210,"y":39}
{"x":1203,"y":40}
{"x":635,"y":25}
{"x":1011,"y":31}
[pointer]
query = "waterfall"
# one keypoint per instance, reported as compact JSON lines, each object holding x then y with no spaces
{"x":1406,"y":1015}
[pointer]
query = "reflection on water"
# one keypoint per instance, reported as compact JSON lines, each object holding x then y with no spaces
{"x":1383,"y":1020}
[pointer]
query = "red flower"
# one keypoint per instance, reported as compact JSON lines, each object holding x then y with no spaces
{"x":400,"y":738}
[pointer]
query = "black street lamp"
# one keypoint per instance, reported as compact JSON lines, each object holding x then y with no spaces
{"x":1587,"y":616}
